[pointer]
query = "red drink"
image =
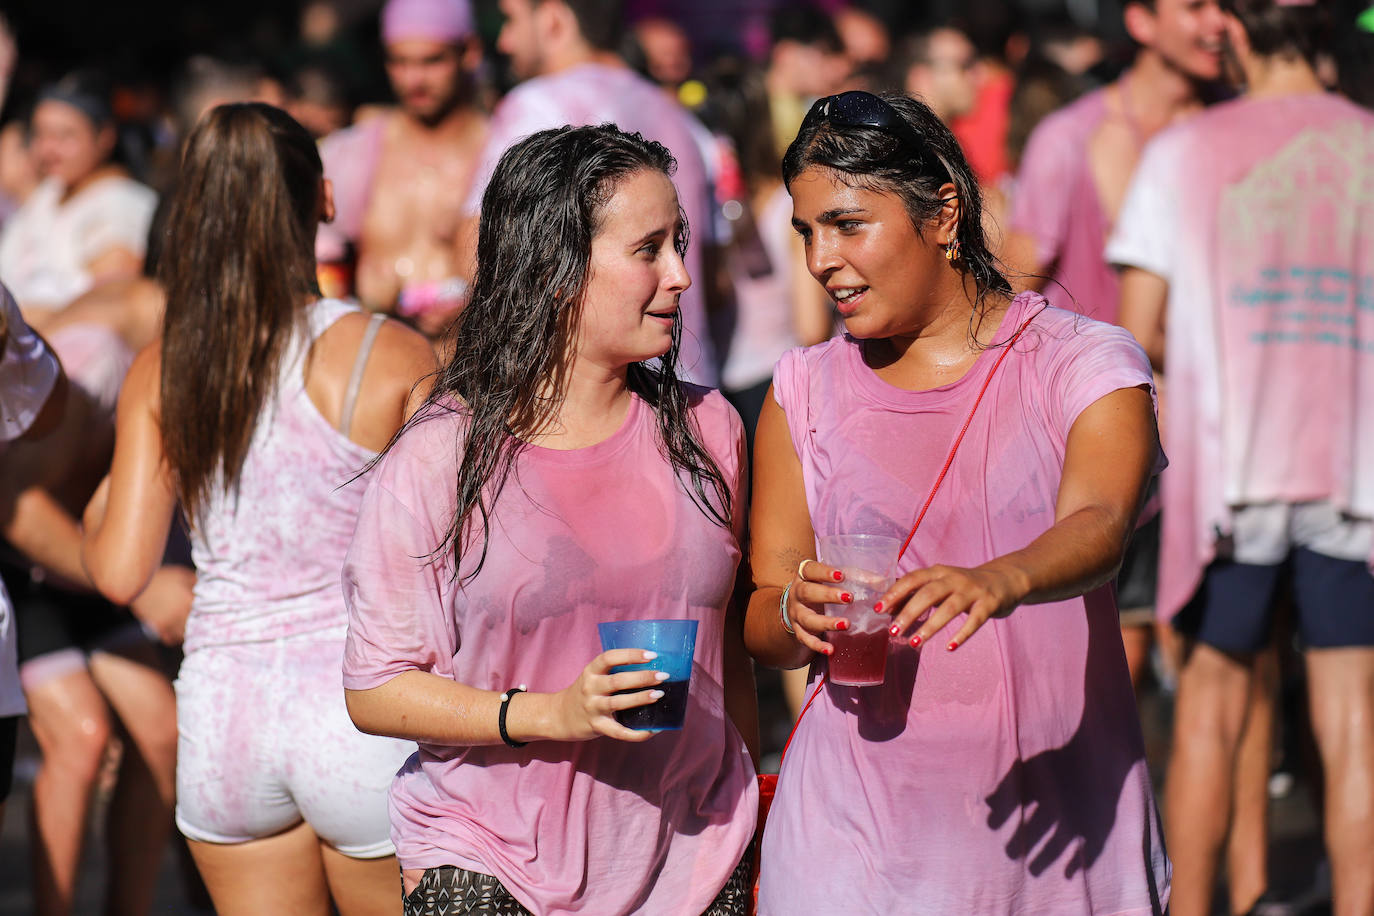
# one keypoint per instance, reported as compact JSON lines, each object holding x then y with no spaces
{"x":860,"y":659}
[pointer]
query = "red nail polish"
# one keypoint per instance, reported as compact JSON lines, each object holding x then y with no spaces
{"x":894,"y":629}
{"x":846,"y":598}
{"x":952,"y":646}
{"x":878,"y":606}
{"x":916,"y":641}
{"x":837,"y":576}
{"x":842,"y":624}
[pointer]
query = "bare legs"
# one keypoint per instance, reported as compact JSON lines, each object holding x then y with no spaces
{"x":70,"y":717}
{"x":1223,"y":732}
{"x":1341,"y":682}
{"x":293,"y":872}
{"x":1209,"y":718}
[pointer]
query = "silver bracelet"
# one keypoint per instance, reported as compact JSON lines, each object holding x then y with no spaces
{"x":782,"y":610}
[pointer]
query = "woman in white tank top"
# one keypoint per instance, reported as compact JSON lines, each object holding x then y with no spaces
{"x":258,"y":411}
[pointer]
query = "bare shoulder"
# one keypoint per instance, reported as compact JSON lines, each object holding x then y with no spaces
{"x":143,"y":382}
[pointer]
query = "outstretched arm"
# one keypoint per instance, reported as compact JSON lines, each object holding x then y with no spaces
{"x":1109,"y":457}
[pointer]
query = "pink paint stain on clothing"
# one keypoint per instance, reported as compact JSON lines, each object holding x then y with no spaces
{"x":1008,"y":776}
{"x":1260,"y":215}
{"x":578,"y":537}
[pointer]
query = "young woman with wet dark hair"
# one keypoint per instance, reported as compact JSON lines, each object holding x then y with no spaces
{"x":256,"y":412}
{"x":999,"y":767}
{"x":560,"y":477}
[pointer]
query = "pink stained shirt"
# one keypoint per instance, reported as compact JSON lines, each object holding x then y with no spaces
{"x":350,"y":159}
{"x":765,"y":324}
{"x":268,"y":553}
{"x":1056,"y":203}
{"x":579,"y":537}
{"x":1008,"y":776}
{"x":595,"y":94}
{"x":1260,"y":215}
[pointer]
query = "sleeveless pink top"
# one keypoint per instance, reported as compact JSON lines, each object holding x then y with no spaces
{"x":269,"y":552}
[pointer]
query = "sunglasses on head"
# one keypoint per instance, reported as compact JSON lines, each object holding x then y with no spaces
{"x":856,"y":108}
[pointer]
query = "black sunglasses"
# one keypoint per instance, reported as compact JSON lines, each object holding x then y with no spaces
{"x":856,"y":108}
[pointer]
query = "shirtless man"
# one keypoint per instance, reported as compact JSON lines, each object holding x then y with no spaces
{"x":400,"y":178}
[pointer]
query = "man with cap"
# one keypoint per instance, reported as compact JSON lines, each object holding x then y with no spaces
{"x":565,"y":51}
{"x":400,"y":178}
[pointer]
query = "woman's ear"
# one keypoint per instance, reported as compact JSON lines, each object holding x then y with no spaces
{"x":951,"y":210}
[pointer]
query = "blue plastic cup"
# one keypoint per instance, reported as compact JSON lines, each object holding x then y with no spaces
{"x":675,"y":642}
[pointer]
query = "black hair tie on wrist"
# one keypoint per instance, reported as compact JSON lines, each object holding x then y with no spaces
{"x":501,"y":717}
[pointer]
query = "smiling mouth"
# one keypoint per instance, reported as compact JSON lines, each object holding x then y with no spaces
{"x":665,"y":314}
{"x":847,"y":297}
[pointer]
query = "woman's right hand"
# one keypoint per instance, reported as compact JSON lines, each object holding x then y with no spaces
{"x":816,"y":585}
{"x":586,"y":708}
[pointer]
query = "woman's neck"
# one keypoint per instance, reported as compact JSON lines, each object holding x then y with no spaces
{"x":594,"y":406}
{"x":940,"y":349}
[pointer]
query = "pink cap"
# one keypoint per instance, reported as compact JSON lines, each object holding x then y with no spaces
{"x":431,"y":20}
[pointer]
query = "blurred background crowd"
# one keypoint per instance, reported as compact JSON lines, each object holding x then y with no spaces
{"x":411,"y":110}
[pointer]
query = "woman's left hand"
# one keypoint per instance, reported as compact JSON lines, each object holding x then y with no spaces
{"x":945,"y":592}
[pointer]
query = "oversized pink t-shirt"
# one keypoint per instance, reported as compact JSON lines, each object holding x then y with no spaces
{"x":578,"y":537}
{"x":1056,"y":202}
{"x":1008,"y":776}
{"x":596,"y":94}
{"x":1260,"y":214}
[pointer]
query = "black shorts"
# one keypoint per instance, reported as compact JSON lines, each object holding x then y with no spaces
{"x":9,"y":733}
{"x":1139,"y":576}
{"x":49,"y":619}
{"x":1233,"y":608}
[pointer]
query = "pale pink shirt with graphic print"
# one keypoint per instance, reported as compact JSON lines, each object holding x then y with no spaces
{"x":592,"y":94}
{"x":1260,"y":214}
{"x":1008,"y":776}
{"x":578,"y":537}
{"x":1056,"y":202}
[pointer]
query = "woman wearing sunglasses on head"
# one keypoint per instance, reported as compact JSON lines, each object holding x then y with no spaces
{"x":999,"y":767}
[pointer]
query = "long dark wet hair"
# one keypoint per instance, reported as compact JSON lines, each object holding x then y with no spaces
{"x":238,"y":268}
{"x":877,"y":159}
{"x":513,"y":344}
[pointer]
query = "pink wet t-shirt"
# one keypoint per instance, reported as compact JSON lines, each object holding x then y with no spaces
{"x":578,"y":537}
{"x":1260,"y":215}
{"x":1056,"y":202}
{"x":1009,"y":776}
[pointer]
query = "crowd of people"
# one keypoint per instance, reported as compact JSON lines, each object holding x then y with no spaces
{"x":331,"y":434}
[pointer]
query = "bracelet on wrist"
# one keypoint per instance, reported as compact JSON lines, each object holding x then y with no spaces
{"x":501,"y":716}
{"x":782,"y":610}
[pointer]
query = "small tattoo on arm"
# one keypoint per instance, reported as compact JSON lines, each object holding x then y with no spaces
{"x":790,"y":558}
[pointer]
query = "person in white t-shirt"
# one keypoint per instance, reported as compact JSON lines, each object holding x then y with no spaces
{"x":1248,"y":241}
{"x":87,"y":221}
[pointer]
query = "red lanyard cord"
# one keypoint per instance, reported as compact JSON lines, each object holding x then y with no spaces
{"x":920,"y":517}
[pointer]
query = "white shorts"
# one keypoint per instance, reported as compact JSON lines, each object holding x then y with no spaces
{"x":265,"y":742}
